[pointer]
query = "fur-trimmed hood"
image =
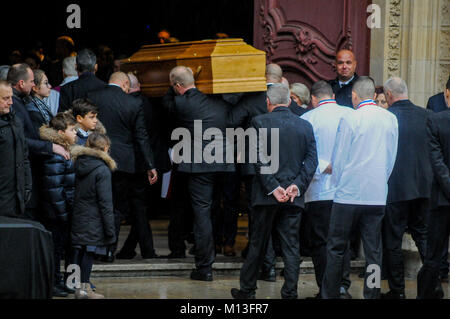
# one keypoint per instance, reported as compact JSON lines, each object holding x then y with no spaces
{"x":50,"y":134}
{"x":78,"y":151}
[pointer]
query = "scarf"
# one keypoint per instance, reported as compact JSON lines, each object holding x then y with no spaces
{"x":43,"y":108}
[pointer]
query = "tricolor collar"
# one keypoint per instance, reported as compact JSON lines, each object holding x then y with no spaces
{"x":328,"y":101}
{"x":365,"y":103}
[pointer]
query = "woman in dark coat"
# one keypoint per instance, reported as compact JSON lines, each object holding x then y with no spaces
{"x":93,"y":217}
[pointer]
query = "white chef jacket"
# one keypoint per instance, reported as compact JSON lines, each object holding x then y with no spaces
{"x":364,"y":155}
{"x":325,"y":120}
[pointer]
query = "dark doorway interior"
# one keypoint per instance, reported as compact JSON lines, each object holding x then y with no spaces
{"x":123,"y":26}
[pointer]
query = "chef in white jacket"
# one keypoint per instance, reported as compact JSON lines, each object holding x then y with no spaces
{"x":363,"y":158}
{"x":325,"y":119}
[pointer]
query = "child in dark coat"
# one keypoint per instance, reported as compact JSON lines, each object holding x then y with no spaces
{"x":58,"y":190}
{"x":93,"y":218}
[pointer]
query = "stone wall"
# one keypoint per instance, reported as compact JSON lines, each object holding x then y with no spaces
{"x":413,"y":43}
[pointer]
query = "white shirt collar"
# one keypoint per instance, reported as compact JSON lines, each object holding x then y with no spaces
{"x":345,"y":83}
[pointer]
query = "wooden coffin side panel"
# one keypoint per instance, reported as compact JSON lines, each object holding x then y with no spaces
{"x":226,"y":66}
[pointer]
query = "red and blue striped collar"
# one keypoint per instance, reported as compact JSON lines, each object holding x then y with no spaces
{"x":328,"y":101}
{"x":366,"y":103}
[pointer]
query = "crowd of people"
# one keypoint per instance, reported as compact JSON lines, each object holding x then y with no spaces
{"x":357,"y":162}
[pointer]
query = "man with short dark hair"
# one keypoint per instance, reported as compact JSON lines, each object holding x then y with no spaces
{"x":86,"y":82}
{"x":438,"y":127}
{"x":277,"y":196}
{"x":324,"y":118}
{"x":363,"y":158}
{"x":21,"y":78}
{"x":409,"y":185}
{"x":15,"y":173}
{"x":345,"y":65}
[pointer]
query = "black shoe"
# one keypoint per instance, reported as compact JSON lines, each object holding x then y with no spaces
{"x":344,"y":294}
{"x":109,"y":258}
{"x":238,"y":294}
{"x":124,"y":255}
{"x":62,"y":286}
{"x":391,"y":294}
{"x":151,"y":256}
{"x":67,"y":289}
{"x":202,"y":276}
{"x":58,"y":292}
{"x":444,"y":279}
{"x":269,"y":275}
{"x":176,"y":255}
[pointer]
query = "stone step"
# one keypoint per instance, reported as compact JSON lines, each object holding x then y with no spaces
{"x":183,"y":267}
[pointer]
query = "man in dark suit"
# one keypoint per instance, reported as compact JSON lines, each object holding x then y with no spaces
{"x":277,"y":194}
{"x":438,"y":127}
{"x":21,"y":78}
{"x":249,"y":106}
{"x":436,"y":103}
{"x":409,"y":186}
{"x":87,"y":81}
{"x":345,"y":64}
{"x":197,"y":113}
{"x":123,"y":118}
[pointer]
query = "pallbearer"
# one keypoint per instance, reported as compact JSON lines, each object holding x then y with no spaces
{"x":362,"y":161}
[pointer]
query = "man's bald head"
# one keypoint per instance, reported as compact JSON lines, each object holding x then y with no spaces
{"x":274,"y":73}
{"x":345,"y":65}
{"x":121,"y":79}
{"x":135,"y":86}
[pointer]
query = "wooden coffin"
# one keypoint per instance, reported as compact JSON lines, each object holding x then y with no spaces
{"x":219,"y":66}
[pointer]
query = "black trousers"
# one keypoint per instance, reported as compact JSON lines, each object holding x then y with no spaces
{"x":287,"y":222}
{"x":225,"y":220}
{"x":410,"y":214}
{"x":318,"y":223}
{"x":61,"y":245}
{"x":131,"y":189}
{"x":444,"y":265}
{"x":438,"y":231}
{"x":201,"y":190}
{"x":181,"y":215}
{"x":345,"y":218}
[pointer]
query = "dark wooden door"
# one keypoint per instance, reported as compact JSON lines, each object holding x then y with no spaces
{"x":303,"y":36}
